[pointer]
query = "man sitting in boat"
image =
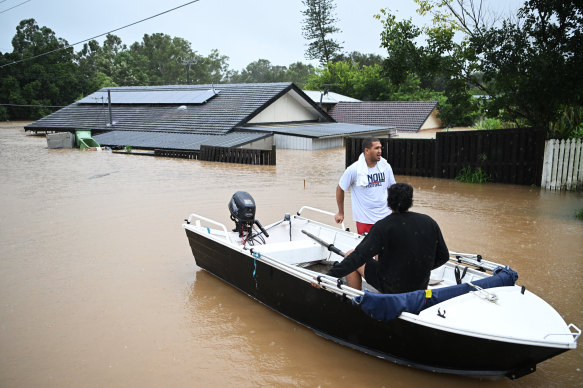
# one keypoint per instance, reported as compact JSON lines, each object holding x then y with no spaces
{"x":409,"y":245}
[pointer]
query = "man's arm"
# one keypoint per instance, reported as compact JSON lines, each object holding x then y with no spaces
{"x":370,"y":246}
{"x":441,"y":251}
{"x":339,"y":217}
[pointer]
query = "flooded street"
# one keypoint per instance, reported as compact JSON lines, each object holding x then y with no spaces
{"x":98,"y":286}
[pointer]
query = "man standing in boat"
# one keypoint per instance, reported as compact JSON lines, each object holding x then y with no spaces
{"x":408,"y":244}
{"x":368,"y":179}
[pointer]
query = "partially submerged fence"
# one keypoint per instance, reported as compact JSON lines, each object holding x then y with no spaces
{"x":238,"y":155}
{"x":507,"y":155}
{"x":563,"y":165}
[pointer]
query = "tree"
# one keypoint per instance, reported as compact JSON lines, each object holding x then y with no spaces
{"x":161,"y":58}
{"x":260,"y":71}
{"x":318,"y":26}
{"x":442,"y":64}
{"x":360,"y":58}
{"x":299,"y":73}
{"x":213,"y":68}
{"x":45,"y":81}
{"x":263,"y":71}
{"x":534,"y":63}
{"x":528,"y":65}
{"x":368,"y":83}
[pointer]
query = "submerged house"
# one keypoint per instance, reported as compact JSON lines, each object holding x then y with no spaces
{"x":186,"y":117}
{"x":405,"y":116}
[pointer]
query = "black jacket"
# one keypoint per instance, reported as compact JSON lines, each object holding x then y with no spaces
{"x":409,"y":246}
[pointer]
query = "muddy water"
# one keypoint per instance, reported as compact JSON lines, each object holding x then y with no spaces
{"x":98,"y":286}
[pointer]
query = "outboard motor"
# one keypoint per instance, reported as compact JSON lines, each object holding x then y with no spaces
{"x":242,"y":209}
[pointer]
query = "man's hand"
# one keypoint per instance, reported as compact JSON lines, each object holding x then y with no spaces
{"x":339,"y":217}
{"x":316,"y":283}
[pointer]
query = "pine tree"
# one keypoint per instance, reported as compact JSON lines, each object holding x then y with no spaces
{"x":318,"y":25}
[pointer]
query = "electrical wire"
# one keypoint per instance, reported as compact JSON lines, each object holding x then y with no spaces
{"x":36,"y":106}
{"x":8,"y":9}
{"x":100,"y":35}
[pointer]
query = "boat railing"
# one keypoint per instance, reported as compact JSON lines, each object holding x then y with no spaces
{"x":474,"y":260}
{"x":299,"y":213}
{"x":327,"y":282}
{"x":570,"y":326}
{"x":201,"y":218}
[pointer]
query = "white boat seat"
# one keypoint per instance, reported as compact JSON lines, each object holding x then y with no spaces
{"x":293,"y":252}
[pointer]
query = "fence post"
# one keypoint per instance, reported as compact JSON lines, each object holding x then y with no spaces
{"x":570,"y":155}
{"x":579,"y":165}
{"x":555,"y":165}
{"x":547,"y":164}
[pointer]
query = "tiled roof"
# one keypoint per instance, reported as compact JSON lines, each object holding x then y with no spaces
{"x":175,"y":141}
{"x":406,"y":116}
{"x":233,"y":105}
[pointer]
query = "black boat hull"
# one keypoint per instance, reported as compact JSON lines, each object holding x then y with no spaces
{"x":336,"y":318}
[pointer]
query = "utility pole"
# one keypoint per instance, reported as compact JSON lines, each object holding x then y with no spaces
{"x":109,"y":106}
{"x":188,"y":62}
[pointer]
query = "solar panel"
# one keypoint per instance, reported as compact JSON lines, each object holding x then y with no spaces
{"x":151,"y":97}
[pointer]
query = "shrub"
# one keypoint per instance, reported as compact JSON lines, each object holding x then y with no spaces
{"x":469,"y":175}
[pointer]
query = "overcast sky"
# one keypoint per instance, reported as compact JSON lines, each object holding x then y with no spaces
{"x":242,"y":30}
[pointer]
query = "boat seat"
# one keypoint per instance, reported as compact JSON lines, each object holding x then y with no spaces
{"x":294,"y":252}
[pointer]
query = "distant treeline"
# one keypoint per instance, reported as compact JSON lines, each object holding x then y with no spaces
{"x":518,"y":71}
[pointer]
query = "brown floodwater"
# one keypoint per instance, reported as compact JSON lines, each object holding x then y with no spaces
{"x":98,"y":286}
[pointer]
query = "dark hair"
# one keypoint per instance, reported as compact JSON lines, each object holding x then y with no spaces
{"x":400,"y":197}
{"x":367,"y":142}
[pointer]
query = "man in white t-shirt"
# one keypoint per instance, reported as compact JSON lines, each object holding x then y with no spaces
{"x":368,"y":179}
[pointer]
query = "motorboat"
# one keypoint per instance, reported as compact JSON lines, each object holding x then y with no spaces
{"x":473,"y":319}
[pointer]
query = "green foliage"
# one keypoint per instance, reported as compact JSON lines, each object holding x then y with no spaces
{"x":579,"y":214}
{"x":439,"y":64}
{"x":533,"y":61}
{"x":473,"y":175}
{"x":48,"y":80}
{"x":368,"y":83}
{"x":360,"y":58}
{"x":263,"y":71}
{"x":527,"y":64}
{"x":492,"y":123}
{"x":3,"y":114}
{"x":128,"y":149}
{"x":569,"y":124}
{"x":318,"y":25}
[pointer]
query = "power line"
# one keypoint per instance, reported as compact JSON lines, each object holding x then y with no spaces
{"x":14,"y":6}
{"x":100,"y":35}
{"x":36,"y":106}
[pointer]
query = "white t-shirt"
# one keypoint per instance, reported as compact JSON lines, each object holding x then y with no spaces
{"x":369,"y":203}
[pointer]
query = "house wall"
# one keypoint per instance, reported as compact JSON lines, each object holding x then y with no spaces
{"x":263,"y":144}
{"x":324,"y":144}
{"x":305,"y":143}
{"x":292,"y":142}
{"x":432,"y":121}
{"x":285,"y":109}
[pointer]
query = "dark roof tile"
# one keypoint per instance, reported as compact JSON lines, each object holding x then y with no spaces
{"x":232,"y":106}
{"x":406,"y":116}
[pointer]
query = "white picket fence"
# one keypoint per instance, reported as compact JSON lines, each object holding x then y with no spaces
{"x":563,"y":165}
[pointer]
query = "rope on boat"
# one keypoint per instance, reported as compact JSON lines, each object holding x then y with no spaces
{"x":489,"y":296}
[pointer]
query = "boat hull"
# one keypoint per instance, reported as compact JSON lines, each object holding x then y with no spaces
{"x":335,"y":317}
